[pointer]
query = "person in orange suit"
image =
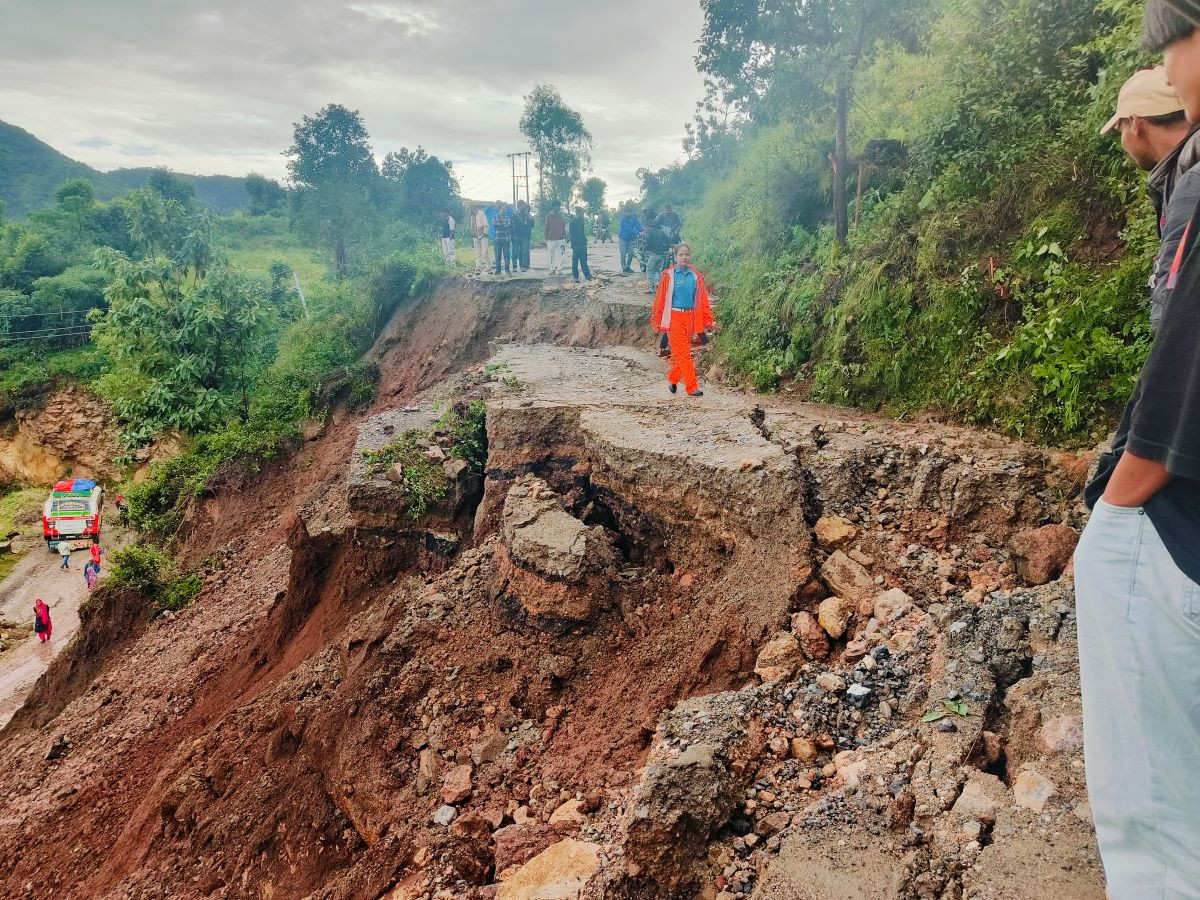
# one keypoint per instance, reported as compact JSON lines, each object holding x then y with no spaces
{"x":682,"y":312}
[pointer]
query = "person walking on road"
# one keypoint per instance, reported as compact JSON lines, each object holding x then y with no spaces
{"x":42,"y":626}
{"x":556,"y":238}
{"x":64,"y":550}
{"x":656,"y":247}
{"x":95,"y":552}
{"x":578,"y":234}
{"x":627,"y":235}
{"x":479,"y":239}
{"x":1137,"y":571}
{"x":91,"y":571}
{"x":449,"y":254}
{"x":502,"y":226}
{"x":522,"y":235}
{"x":682,"y":311}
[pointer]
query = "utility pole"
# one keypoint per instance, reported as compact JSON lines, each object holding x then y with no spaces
{"x":518,"y":179}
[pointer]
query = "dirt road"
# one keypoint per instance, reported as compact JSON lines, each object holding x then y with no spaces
{"x":38,"y":575}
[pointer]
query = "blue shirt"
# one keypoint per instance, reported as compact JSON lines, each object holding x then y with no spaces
{"x":630,"y":227}
{"x":684,"y":296}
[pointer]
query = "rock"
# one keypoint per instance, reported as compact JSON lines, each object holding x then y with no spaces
{"x":474,"y":826}
{"x":1062,"y":734}
{"x":750,"y":465}
{"x":780,"y":658}
{"x":858,"y":694}
{"x":515,"y":845}
{"x":489,"y":749}
{"x":846,"y":578}
{"x":829,"y":682}
{"x":435,"y":454}
{"x":456,"y":786}
{"x":454,"y":468}
{"x":1033,"y":790}
{"x":1041,"y":554}
{"x":803,"y":749}
{"x":772,"y":824}
{"x":395,"y":472}
{"x":559,"y":872}
{"x":521,"y":815}
{"x":834,"y":532}
{"x":891,"y":605}
{"x":981,"y":796}
{"x":444,"y":815}
{"x":427,"y":766}
{"x":814,"y":643}
{"x":568,"y":812}
{"x":834,"y":615}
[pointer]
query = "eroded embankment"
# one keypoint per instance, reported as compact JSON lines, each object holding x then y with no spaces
{"x":493,"y":697}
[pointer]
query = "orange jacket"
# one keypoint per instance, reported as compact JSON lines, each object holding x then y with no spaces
{"x":660,"y":318}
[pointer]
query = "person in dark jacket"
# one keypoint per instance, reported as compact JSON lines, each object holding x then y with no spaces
{"x":577,"y":232}
{"x":1137,"y":567}
{"x":502,"y":228}
{"x":522,"y":235}
{"x":657,"y":245}
{"x":670,"y":222}
{"x":627,"y":235}
{"x":1157,"y":137}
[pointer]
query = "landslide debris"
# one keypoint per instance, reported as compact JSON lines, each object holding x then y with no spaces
{"x":653,"y":648}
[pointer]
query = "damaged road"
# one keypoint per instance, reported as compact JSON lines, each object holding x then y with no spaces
{"x":635,"y":646}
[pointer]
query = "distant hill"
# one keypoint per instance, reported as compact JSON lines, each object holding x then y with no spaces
{"x":31,"y":169}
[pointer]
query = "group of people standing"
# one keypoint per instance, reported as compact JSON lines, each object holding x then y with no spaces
{"x":510,"y":232}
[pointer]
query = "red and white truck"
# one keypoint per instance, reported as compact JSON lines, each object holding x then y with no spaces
{"x":72,"y":513}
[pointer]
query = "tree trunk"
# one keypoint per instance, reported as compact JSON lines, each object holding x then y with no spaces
{"x":858,"y":196}
{"x":840,"y":158}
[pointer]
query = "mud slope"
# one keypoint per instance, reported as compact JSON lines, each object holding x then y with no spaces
{"x":658,"y":646}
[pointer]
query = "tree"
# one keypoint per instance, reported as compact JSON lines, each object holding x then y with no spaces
{"x":558,"y":137}
{"x":170,"y":186}
{"x":266,"y":195}
{"x":744,"y":43}
{"x":76,"y":198}
{"x":424,"y":183}
{"x":182,"y":330}
{"x":592,"y":193}
{"x":332,"y":168}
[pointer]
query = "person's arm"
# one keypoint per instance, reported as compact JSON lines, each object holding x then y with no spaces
{"x":1135,"y":480}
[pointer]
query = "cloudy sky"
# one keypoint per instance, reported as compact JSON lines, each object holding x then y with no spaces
{"x":214,"y":87}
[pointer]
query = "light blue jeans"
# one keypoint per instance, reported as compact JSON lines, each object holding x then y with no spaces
{"x":1139,"y":655}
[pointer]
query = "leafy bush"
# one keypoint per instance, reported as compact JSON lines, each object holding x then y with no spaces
{"x":142,"y":567}
{"x":422,"y":482}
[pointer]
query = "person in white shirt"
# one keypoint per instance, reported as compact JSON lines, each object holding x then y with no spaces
{"x":448,"y":252}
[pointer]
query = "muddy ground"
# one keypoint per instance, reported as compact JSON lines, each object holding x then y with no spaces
{"x":659,"y":646}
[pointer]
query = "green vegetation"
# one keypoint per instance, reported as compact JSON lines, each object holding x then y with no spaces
{"x":20,"y":512}
{"x":151,"y":573}
{"x":459,"y":429}
{"x":225,"y":332}
{"x":995,"y":257}
{"x":560,"y":141}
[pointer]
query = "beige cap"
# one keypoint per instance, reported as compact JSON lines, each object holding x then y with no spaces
{"x":1145,"y":94}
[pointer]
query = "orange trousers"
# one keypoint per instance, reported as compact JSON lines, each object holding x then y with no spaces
{"x":679,"y":336}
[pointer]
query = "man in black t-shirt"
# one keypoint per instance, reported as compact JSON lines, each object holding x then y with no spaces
{"x":1137,"y":569}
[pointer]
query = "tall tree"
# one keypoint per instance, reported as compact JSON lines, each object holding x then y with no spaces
{"x":592,"y":193}
{"x":267,"y":195}
{"x":559,"y":138}
{"x":424,"y":183}
{"x":170,"y":186}
{"x":744,"y":44}
{"x":331,"y":166}
{"x":76,"y":197}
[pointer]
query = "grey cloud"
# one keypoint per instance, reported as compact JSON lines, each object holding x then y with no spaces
{"x":216,"y":86}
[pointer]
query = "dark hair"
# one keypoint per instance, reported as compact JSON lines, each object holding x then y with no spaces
{"x":1166,"y":21}
{"x":1166,"y":121}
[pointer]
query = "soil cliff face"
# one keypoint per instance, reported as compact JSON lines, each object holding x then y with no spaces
{"x":659,"y":646}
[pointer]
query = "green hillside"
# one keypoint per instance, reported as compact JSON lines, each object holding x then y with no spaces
{"x":31,"y":169}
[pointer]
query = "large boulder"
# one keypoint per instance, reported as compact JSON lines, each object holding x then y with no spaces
{"x":554,"y":566}
{"x":1041,"y":554}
